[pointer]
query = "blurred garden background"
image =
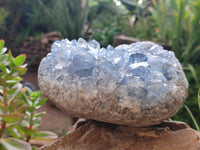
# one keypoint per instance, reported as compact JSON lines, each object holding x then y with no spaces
{"x":172,"y":23}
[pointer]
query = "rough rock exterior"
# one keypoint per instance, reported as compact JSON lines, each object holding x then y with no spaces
{"x":102,"y":136}
{"x":140,"y":84}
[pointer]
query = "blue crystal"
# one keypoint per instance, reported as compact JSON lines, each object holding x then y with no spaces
{"x":142,"y":70}
{"x":82,"y":65}
{"x":137,"y":57}
{"x":94,"y":44}
{"x":138,"y":69}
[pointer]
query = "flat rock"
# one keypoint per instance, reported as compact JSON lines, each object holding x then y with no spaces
{"x":122,"y":39}
{"x":92,"y":135}
{"x":140,"y":84}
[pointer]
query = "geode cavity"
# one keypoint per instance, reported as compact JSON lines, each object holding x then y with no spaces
{"x":140,"y":84}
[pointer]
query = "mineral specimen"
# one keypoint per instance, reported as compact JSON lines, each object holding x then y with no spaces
{"x":139,"y":84}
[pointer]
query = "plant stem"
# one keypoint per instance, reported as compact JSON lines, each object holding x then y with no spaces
{"x":5,"y":99}
{"x":5,"y":110}
{"x":31,"y":121}
{"x":3,"y":127}
{"x":28,"y":138}
{"x":30,"y":127}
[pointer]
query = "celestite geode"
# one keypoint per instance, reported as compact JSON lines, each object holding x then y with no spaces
{"x":139,"y":84}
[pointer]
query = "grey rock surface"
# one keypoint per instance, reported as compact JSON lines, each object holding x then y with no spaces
{"x":140,"y":84}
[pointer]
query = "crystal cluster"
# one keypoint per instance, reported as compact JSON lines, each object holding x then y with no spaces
{"x":142,"y":73}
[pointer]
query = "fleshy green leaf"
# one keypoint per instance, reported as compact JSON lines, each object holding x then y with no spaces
{"x":11,"y":107}
{"x":23,"y":97}
{"x":24,"y":65}
{"x":1,"y":89}
{"x":17,"y":88}
{"x":28,"y":131}
{"x":2,"y":147}
{"x":3,"y":58}
{"x":41,"y":102}
{"x":19,"y":60}
{"x":12,"y":82}
{"x":21,"y":110}
{"x":36,"y":120}
{"x":20,"y":70}
{"x":31,"y":108}
{"x":11,"y":76}
{"x":2,"y":42}
{"x":11,"y":91}
{"x":45,"y":135}
{"x":19,"y":130}
{"x":3,"y":50}
{"x":34,"y":148}
{"x":17,"y":78}
{"x":15,"y":144}
{"x":12,"y":118}
{"x":25,"y":123}
{"x":3,"y":68}
{"x":34,"y":94}
{"x":13,"y":132}
{"x":10,"y":59}
{"x":29,"y":91}
{"x":36,"y":126}
{"x":39,"y":114}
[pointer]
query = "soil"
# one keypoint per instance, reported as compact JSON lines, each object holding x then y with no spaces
{"x":54,"y":120}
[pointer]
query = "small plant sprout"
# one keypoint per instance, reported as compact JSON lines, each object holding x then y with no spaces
{"x":18,"y":118}
{"x":29,"y":126}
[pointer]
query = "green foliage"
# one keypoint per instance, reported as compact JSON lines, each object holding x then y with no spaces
{"x":104,"y":33}
{"x":192,"y":73}
{"x":3,"y":15}
{"x":15,"y":144}
{"x":29,"y":126}
{"x":104,"y":17}
{"x":22,"y":19}
{"x":68,"y":17}
{"x":197,"y":126}
{"x":12,"y":20}
{"x":174,"y":23}
{"x":192,"y":117}
{"x":34,"y":20}
{"x":192,"y":50}
{"x":172,"y":20}
{"x":18,"y":105}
